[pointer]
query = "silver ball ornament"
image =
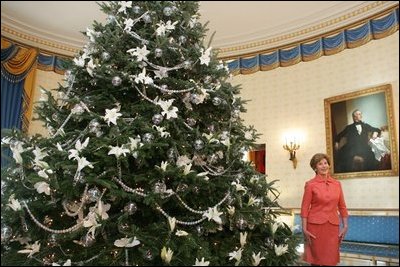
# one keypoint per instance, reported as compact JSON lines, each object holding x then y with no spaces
{"x":105,"y":56}
{"x":216,"y":101}
{"x":157,"y":119}
{"x":167,"y":11}
{"x":146,"y":18}
{"x":191,"y":122}
{"x":6,"y":233}
{"x":148,"y":255}
{"x":148,"y":137}
{"x":182,"y":39}
{"x":241,"y":224}
{"x":187,"y":64}
{"x":130,"y":208}
{"x":182,"y":188}
{"x":198,"y":144}
{"x":136,"y":9}
{"x":116,"y":81}
{"x":160,"y":187}
{"x":93,"y":194}
{"x":171,"y":154}
{"x":87,"y":240}
{"x":158,"y":52}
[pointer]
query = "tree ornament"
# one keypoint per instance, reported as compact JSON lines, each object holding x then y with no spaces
{"x":130,"y":208}
{"x":148,"y":255}
{"x":148,"y":138}
{"x":198,"y":144}
{"x":157,"y":119}
{"x":136,"y":9}
{"x":241,"y":223}
{"x":160,"y":187}
{"x":235,"y":113}
{"x":158,"y":52}
{"x":111,"y":19}
{"x":216,"y":101}
{"x":191,"y":122}
{"x":207,"y":79}
{"x":171,"y":154}
{"x":213,"y":158}
{"x":94,"y":126}
{"x":164,"y":87}
{"x":6,"y":233}
{"x":123,"y":227}
{"x":52,"y":240}
{"x":105,"y":56}
{"x":78,"y":109}
{"x":167,"y":11}
{"x":225,"y":135}
{"x":87,"y":240}
{"x":199,"y":230}
{"x":146,"y":18}
{"x":93,"y":194}
{"x":182,"y":39}
{"x":187,"y":64}
{"x":116,"y":81}
{"x":181,"y":188}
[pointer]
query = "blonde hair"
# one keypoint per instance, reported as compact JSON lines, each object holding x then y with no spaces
{"x":317,"y":158}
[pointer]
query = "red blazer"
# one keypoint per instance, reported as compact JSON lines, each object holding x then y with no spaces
{"x":323,"y":201}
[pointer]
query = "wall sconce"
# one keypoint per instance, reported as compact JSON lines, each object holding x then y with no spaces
{"x":292,"y":146}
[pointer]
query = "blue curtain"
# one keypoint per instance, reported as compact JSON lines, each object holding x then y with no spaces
{"x":11,"y":108}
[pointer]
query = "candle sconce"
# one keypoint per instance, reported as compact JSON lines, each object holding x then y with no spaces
{"x":292,"y":147}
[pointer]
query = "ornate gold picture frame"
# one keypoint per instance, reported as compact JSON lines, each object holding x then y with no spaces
{"x":360,"y":133}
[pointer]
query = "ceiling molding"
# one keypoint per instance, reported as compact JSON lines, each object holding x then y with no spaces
{"x":32,"y":29}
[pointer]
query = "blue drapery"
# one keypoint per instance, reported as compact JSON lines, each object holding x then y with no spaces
{"x":328,"y":44}
{"x":10,"y":113}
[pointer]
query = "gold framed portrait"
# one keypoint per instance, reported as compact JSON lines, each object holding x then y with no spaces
{"x":360,"y":133}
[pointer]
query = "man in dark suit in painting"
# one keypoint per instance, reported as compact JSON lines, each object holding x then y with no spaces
{"x":356,"y":154}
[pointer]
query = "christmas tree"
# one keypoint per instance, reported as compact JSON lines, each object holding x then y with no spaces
{"x":143,"y":164}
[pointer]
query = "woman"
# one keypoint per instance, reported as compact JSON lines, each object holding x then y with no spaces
{"x":322,"y":199}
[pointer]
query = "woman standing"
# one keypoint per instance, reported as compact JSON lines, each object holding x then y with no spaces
{"x":323,"y":200}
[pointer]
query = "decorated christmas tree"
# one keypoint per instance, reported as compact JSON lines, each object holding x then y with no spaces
{"x":143,"y":164}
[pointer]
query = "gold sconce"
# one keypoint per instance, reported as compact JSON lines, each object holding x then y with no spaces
{"x":292,"y":146}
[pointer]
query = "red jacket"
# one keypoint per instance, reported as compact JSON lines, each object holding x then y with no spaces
{"x":323,"y":201}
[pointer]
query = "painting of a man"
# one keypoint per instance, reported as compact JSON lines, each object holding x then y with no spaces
{"x":357,"y":154}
